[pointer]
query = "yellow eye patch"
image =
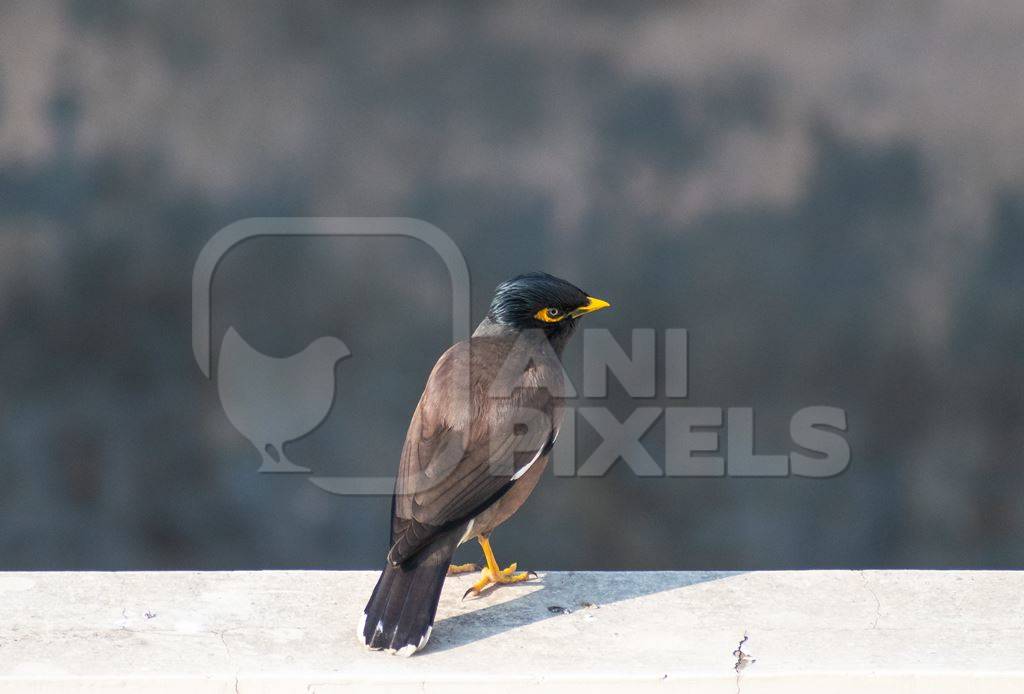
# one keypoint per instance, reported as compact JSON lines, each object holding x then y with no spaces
{"x":550,"y":315}
{"x":554,"y":314}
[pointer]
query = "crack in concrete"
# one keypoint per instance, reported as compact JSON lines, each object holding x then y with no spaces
{"x":878,"y":603}
{"x":743,"y":660}
{"x":227,"y":651}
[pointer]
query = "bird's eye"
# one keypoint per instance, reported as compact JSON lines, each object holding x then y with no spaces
{"x":550,"y":315}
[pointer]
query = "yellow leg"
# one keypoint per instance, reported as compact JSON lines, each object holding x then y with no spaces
{"x":493,"y":574}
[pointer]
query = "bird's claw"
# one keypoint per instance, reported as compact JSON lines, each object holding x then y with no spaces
{"x":501,"y":577}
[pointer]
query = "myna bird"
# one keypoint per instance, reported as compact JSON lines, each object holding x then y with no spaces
{"x":476,"y":447}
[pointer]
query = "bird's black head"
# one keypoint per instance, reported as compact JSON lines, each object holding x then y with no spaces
{"x":540,"y":301}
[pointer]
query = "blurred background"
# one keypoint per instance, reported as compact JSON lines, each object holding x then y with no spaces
{"x":830,"y":198}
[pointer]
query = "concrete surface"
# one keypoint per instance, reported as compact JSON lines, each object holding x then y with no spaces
{"x":288,"y":631}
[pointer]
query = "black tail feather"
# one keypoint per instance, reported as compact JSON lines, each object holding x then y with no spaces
{"x":400,"y":613}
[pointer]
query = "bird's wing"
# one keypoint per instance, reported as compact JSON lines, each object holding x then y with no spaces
{"x":475,"y":427}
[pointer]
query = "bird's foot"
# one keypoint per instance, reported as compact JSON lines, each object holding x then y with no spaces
{"x":456,"y":569}
{"x":490,"y":578}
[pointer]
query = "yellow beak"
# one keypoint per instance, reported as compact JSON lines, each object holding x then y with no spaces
{"x":592,"y":305}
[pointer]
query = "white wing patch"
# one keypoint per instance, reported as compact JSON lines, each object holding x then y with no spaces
{"x":547,"y":445}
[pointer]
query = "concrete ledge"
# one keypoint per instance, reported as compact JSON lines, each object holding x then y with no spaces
{"x":287,"y":631}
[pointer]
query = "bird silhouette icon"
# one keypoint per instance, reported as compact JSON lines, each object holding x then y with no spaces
{"x":272,"y":401}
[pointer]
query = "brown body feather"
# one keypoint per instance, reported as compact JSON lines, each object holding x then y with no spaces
{"x":489,"y":406}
